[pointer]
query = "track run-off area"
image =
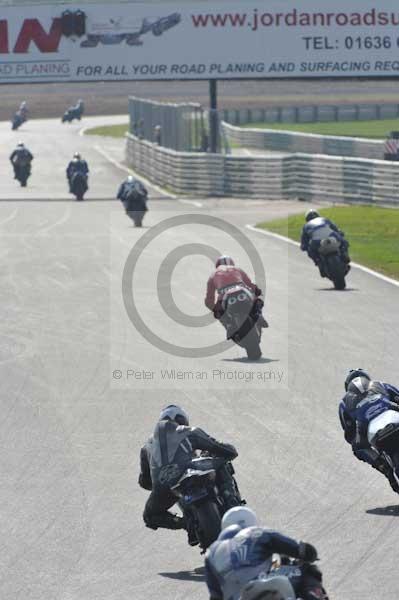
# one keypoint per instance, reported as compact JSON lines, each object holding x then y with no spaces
{"x":82,"y":387}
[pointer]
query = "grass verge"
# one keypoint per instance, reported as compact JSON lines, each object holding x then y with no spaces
{"x":364,"y":129}
{"x":373,"y":234}
{"x":117,"y":131}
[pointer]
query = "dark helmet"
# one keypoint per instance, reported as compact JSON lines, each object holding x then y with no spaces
{"x":359,"y":386}
{"x":224,"y":260}
{"x":174,"y":413}
{"x":353,"y":373}
{"x":311,"y":214}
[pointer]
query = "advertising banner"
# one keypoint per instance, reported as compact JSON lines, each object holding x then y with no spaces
{"x":229,"y":40}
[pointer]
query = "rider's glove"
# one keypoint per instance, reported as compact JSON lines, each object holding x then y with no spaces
{"x":307,"y":552}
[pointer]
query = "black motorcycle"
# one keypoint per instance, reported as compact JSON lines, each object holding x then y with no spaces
{"x":240,"y":321}
{"x":136,"y":206}
{"x":200,"y":500}
{"x":79,"y":185}
{"x":332,"y":262}
{"x":71,"y":114}
{"x":22,"y":173}
{"x":17,"y":120}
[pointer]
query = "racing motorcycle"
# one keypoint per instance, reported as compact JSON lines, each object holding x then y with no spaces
{"x":332,"y":262}
{"x":241,"y":324}
{"x":23,"y":173}
{"x":71,"y":114}
{"x":79,"y":185}
{"x":17,"y":120}
{"x":284,"y":578}
{"x":200,"y":500}
{"x":383,"y":435}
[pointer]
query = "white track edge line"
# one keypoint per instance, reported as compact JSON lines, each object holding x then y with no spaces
{"x":353,"y":264}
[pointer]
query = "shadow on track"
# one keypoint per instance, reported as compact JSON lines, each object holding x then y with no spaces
{"x":197,"y":574}
{"x":331,"y":289}
{"x":245,"y":360}
{"x":385,"y":511}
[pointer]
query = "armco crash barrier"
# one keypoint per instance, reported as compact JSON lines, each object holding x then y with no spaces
{"x":298,"y":175}
{"x":289,"y":141}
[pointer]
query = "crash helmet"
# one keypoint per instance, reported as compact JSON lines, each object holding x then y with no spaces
{"x":359,"y":386}
{"x":174,"y":413}
{"x":224,"y":260}
{"x":130,"y":179}
{"x":239,"y":515}
{"x":77,"y":156}
{"x":311,"y":214}
{"x":353,"y":374}
{"x":20,"y":145}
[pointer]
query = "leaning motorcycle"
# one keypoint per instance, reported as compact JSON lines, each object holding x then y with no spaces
{"x":332,"y":262}
{"x":284,"y":578}
{"x":79,"y":185}
{"x":383,"y":435}
{"x":71,"y":114}
{"x":17,"y":121}
{"x":200,"y":499}
{"x":238,"y":317}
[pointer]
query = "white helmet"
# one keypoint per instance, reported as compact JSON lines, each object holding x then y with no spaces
{"x":241,"y":516}
{"x":174,"y":413}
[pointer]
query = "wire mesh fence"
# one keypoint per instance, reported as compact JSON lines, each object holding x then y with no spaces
{"x":180,"y":127}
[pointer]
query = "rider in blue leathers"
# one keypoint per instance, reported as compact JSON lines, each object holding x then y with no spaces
{"x":364,"y":400}
{"x":315,"y":230}
{"x":243,"y":553}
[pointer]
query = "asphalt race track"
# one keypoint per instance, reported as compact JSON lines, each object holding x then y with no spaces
{"x":81,"y":387}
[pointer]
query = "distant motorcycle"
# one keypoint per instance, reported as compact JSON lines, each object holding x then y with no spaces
{"x":79,"y":185}
{"x":17,"y":120}
{"x":71,"y":114}
{"x":23,"y":174}
{"x":239,"y":320}
{"x":199,"y":498}
{"x":136,"y":205}
{"x":332,"y":262}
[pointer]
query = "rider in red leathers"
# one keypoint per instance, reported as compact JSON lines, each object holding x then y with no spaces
{"x":226,"y":276}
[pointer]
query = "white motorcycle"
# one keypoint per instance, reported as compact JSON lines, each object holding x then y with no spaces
{"x":383,"y":436}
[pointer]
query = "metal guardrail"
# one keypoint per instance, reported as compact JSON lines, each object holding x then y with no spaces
{"x":311,"y":113}
{"x":309,"y":143}
{"x":298,"y":175}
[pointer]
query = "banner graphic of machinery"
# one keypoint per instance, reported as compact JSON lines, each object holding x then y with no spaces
{"x":229,"y":40}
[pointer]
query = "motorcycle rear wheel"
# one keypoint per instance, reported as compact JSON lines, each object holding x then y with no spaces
{"x":209,"y":523}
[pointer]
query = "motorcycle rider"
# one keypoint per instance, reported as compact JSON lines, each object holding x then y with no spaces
{"x":21,"y":157}
{"x":363,"y":394}
{"x":243,"y":552}
{"x":315,"y":230}
{"x":133,"y":195}
{"x":23,"y":110}
{"x":165,"y":457}
{"x":227,"y":275}
{"x":76,"y":165}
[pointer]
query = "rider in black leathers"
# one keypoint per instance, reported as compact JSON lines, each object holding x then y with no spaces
{"x":133,"y":195}
{"x":77,"y":164}
{"x":165,"y":457}
{"x":20,"y":157}
{"x":314,"y":231}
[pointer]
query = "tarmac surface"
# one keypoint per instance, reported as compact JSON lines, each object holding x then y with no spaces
{"x":82,"y":388}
